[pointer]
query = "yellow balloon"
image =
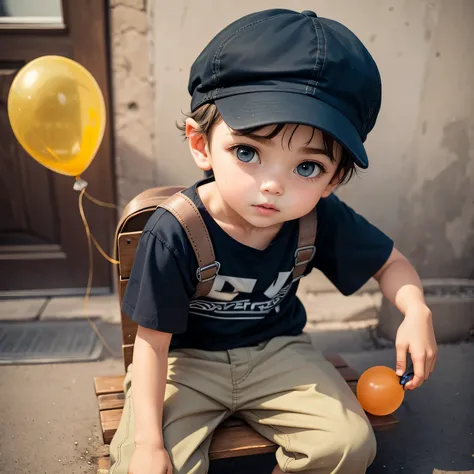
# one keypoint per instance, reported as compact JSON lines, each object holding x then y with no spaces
{"x":57,"y":113}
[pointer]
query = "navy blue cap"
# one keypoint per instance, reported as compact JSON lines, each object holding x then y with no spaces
{"x":280,"y":66}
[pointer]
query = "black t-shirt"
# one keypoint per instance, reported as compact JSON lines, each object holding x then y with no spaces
{"x":253,"y":298}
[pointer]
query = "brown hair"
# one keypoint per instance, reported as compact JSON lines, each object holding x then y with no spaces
{"x":207,"y":116}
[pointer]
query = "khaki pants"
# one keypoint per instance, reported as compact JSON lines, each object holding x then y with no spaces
{"x":283,"y":388}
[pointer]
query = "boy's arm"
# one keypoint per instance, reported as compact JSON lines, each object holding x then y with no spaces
{"x":150,"y":367}
{"x":401,"y":285}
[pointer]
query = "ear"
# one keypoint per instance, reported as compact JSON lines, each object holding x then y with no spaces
{"x":198,"y":145}
{"x":333,"y":184}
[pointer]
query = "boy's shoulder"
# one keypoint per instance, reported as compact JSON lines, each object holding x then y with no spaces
{"x":336,"y":217}
{"x":167,"y":229}
{"x":331,"y":212}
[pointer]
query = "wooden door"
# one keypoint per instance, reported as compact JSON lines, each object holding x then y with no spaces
{"x":43,"y":248}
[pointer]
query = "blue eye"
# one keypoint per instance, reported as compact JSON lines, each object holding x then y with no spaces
{"x":246,"y":154}
{"x":308,"y":169}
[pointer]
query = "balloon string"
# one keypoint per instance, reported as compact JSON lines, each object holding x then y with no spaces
{"x":86,"y":225}
{"x":91,"y":239}
{"x":98,"y":202}
{"x":99,"y":248}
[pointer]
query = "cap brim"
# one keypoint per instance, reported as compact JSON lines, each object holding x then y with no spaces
{"x":258,"y":109}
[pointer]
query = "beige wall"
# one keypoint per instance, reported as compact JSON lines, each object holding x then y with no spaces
{"x":133,"y":97}
{"x":420,"y":185}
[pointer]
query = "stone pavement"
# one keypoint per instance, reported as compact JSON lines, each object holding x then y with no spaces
{"x":105,"y":307}
{"x":49,"y":418}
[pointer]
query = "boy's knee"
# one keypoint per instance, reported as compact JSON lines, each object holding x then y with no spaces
{"x":354,"y":445}
{"x":360,"y":446}
{"x":350,"y":449}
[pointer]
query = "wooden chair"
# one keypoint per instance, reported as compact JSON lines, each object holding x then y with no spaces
{"x":233,"y":438}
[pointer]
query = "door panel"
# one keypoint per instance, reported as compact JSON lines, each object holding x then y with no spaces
{"x":43,"y":249}
{"x":24,"y":219}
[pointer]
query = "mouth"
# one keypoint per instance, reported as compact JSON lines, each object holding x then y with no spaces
{"x":267,"y":208}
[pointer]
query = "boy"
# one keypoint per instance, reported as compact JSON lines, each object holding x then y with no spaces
{"x":281,"y":104}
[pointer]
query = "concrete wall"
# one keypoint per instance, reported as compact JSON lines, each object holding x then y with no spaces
{"x":420,"y":185}
{"x":133,"y":97}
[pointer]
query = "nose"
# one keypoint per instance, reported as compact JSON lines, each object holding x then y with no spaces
{"x":271,"y":186}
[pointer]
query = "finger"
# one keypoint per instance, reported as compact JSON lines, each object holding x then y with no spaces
{"x":428,"y":367}
{"x":419,"y":369}
{"x":433,"y":362}
{"x":414,"y":383}
{"x":401,"y":359}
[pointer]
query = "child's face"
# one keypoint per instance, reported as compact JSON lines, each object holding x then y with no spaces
{"x":266,"y":181}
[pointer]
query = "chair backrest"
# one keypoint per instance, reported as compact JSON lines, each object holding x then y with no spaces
{"x":128,"y":233}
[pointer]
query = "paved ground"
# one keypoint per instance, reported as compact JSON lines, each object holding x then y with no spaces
{"x":49,"y":416}
{"x":44,"y":411}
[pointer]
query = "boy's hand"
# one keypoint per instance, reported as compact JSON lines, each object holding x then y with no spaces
{"x":150,"y":460}
{"x":416,"y":335}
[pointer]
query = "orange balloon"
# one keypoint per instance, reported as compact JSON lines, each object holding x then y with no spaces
{"x":379,"y":391}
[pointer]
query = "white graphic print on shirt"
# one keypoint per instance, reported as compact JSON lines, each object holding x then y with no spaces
{"x":227,"y":289}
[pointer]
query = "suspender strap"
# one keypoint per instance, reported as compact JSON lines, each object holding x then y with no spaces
{"x":190,"y":219}
{"x":306,"y":243}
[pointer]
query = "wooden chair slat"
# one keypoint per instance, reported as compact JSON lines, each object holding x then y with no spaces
{"x":127,"y":247}
{"x":108,"y":384}
{"x":129,"y":327}
{"x":127,"y":352}
{"x":239,"y":440}
{"x":129,"y":330}
{"x":232,"y":421}
{"x":109,"y":420}
{"x":103,"y":465}
{"x":336,"y":360}
{"x":382,"y":422}
{"x":111,"y":401}
{"x":349,"y":374}
{"x":353,"y":385}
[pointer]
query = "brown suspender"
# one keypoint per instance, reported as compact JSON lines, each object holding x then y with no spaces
{"x":306,"y":243}
{"x":190,"y":219}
